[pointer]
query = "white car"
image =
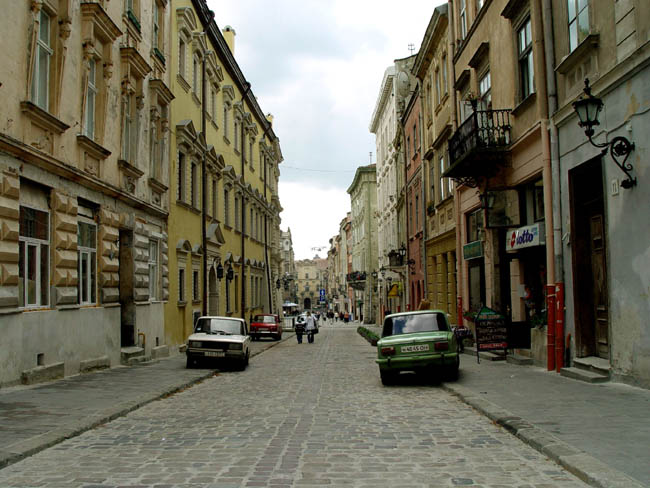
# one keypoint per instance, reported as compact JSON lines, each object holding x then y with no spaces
{"x":219,"y":338}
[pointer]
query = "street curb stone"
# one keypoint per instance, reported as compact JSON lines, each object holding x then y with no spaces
{"x":586,"y":467}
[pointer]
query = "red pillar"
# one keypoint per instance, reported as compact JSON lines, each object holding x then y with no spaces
{"x":550,"y":327}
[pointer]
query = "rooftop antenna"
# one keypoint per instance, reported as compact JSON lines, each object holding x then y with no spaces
{"x":411,"y":48}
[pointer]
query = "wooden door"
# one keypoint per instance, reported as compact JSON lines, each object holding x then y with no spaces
{"x":599,"y":286}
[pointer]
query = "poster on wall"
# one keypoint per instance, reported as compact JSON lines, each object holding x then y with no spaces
{"x":491,"y":332}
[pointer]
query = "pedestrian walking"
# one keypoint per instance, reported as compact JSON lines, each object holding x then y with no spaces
{"x":310,"y":327}
{"x":300,"y":329}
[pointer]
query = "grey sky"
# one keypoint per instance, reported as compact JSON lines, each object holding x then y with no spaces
{"x":317,"y":66}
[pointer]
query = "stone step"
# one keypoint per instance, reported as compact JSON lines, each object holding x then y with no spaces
{"x":129,"y":353}
{"x":487,"y":355}
{"x":593,"y":364}
{"x":519,"y":359}
{"x":584,"y":375}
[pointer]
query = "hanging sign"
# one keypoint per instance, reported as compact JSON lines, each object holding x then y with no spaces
{"x":527,"y":236}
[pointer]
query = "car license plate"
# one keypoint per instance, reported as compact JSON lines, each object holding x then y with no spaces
{"x":416,"y":348}
{"x":215,"y":354}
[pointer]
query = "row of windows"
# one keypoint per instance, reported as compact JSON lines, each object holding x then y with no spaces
{"x":34,"y":261}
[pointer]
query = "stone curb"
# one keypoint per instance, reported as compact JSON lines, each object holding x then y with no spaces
{"x":29,"y":447}
{"x":589,"y":469}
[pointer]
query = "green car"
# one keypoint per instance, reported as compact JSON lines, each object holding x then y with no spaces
{"x":417,"y":341}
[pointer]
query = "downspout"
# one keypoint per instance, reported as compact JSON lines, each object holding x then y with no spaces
{"x":549,"y":48}
{"x":204,"y":239}
{"x":460,"y":266}
{"x":266,"y":237}
{"x":243,"y":209}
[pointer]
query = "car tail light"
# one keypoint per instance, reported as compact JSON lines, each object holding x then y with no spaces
{"x":441,"y":346}
{"x":388,"y":351}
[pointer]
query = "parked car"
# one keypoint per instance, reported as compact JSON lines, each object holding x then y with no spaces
{"x":266,"y":325}
{"x":223,"y":339}
{"x":419,"y":341}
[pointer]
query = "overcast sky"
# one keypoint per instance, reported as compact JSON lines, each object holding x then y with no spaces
{"x":317,"y":66}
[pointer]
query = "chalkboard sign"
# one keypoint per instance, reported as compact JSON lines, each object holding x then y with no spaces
{"x":491,"y":331}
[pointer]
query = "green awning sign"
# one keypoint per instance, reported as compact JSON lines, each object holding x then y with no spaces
{"x":473,"y":250}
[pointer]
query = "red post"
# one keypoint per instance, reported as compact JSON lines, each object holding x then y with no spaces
{"x":550,"y":327}
{"x":559,"y":326}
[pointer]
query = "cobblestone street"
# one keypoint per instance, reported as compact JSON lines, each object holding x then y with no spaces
{"x":300,"y":415}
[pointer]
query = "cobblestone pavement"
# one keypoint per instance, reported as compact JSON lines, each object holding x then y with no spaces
{"x":301,"y":415}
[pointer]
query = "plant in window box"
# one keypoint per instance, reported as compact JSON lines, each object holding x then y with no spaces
{"x":431,"y":208}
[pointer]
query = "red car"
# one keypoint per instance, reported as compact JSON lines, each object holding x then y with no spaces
{"x":266,"y":325}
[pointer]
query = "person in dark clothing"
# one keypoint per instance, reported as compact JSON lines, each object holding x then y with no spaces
{"x":300,"y":328}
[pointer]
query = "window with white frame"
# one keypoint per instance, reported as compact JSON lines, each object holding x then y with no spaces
{"x":463,"y":19}
{"x":225,"y":121}
{"x":33,"y":258}
{"x":442,"y":170}
{"x":525,"y":52}
{"x":181,"y":177}
{"x":438,"y":91}
{"x":226,"y":207}
{"x":87,"y":256}
{"x":432,"y":181}
{"x":196,"y":76}
{"x":158,"y":24}
{"x":251,"y":222}
{"x":154,"y":270}
{"x":181,"y":281}
{"x":196,"y":287}
{"x":214,"y":198}
{"x":237,"y":216}
{"x":236,"y":134}
{"x":251,"y":141}
{"x":91,"y":96}
{"x":194,"y":184}
{"x":182,"y":53}
{"x":444,"y":75}
{"x":129,"y":128}
{"x":485,"y":91}
{"x":213,"y":103}
{"x":578,"y":14}
{"x":42,"y":61}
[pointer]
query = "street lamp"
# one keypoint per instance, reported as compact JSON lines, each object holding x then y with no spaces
{"x":219,"y":271}
{"x":230,"y":274}
{"x":588,"y":108}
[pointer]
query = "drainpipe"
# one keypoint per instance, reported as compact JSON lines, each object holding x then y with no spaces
{"x":243,"y":209}
{"x":269,"y":283}
{"x":549,"y":54}
{"x":451,"y":35}
{"x":204,"y":288}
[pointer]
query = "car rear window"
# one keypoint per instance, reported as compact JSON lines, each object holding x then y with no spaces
{"x":264,"y":319}
{"x":219,"y":326}
{"x":408,"y":324}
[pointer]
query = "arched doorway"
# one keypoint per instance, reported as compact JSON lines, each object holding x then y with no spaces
{"x":307,"y":304}
{"x":213,"y":293}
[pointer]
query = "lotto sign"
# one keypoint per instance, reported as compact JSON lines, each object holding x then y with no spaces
{"x":528,"y":236}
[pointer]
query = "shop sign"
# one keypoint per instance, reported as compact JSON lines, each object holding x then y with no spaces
{"x":491,"y":331}
{"x":528,"y":236}
{"x":473,"y":250}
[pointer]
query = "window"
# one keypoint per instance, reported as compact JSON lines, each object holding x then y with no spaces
{"x":181,"y":57}
{"x":196,"y":290}
{"x":525,"y":51}
{"x":157,"y":36}
{"x":196,"y":76}
{"x":225,"y":121}
{"x":91,"y":95}
{"x":432,"y":182}
{"x":438,"y":95}
{"x":417,"y":213}
{"x":251,"y":141}
{"x":42,"y":61}
{"x":214,"y":198}
{"x":463,"y":19}
{"x":237,"y":134}
{"x":153,"y":270}
{"x":237,"y":213}
{"x":213,"y":103}
{"x":416,"y":146}
{"x":129,"y":129}
{"x":475,"y":225}
{"x":181,"y":282}
{"x":578,"y":22}
{"x":444,"y":75}
{"x":226,"y":207}
{"x":442,"y":170}
{"x":485,"y":92}
{"x":194,"y":185}
{"x":251,"y":224}
{"x":33,"y":258}
{"x":87,"y":255}
{"x":408,"y":149}
{"x":181,"y":177}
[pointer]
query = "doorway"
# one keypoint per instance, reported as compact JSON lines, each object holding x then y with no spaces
{"x":588,"y":248}
{"x":127,"y":302}
{"x":306,"y":304}
{"x":213,"y":293}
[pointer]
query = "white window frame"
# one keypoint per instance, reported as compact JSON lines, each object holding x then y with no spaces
{"x":463,"y":19}
{"x":182,"y":57}
{"x":195,"y":76}
{"x":194,"y":184}
{"x":25,"y":243}
{"x":441,"y":165}
{"x":87,"y":280}
{"x":485,"y":91}
{"x":156,"y":26}
{"x":574,"y":17}
{"x":154,"y":270}
{"x":42,"y":61}
{"x":525,"y":59}
{"x":91,"y":99}
{"x":182,"y":176}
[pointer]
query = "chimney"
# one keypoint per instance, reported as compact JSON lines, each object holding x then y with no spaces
{"x":229,"y":35}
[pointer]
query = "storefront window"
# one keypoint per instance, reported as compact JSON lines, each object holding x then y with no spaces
{"x":475,"y":225}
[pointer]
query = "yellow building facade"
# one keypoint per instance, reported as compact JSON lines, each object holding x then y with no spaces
{"x":223,"y":226}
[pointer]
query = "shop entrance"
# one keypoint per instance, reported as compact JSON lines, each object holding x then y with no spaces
{"x":589,"y":265}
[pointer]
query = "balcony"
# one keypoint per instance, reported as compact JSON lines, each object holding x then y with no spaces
{"x":479,"y":146}
{"x":356,"y":280}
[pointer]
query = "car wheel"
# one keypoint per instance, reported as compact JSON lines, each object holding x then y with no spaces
{"x":451,"y":371}
{"x":387,"y":377}
{"x":189,"y":364}
{"x":244,"y":362}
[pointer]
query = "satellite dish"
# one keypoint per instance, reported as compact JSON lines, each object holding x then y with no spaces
{"x":403,"y":84}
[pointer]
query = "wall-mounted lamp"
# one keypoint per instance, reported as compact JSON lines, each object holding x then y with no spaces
{"x":588,"y":108}
{"x":230,"y":274}
{"x":219,"y":271}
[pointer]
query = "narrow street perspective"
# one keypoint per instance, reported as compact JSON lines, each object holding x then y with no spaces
{"x":299,"y":415}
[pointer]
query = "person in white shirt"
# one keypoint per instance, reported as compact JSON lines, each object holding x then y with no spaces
{"x":310,"y":328}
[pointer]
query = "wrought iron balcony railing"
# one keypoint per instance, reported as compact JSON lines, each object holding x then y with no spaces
{"x":483,"y":131}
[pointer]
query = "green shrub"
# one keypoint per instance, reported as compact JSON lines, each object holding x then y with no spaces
{"x":369,"y":335}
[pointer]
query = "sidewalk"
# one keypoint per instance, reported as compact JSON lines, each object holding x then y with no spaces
{"x":33,"y":418}
{"x":599,"y":432}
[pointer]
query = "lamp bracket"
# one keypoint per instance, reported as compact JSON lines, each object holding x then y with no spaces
{"x":619,"y":147}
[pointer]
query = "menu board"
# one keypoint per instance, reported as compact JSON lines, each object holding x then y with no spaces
{"x":491,"y":331}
